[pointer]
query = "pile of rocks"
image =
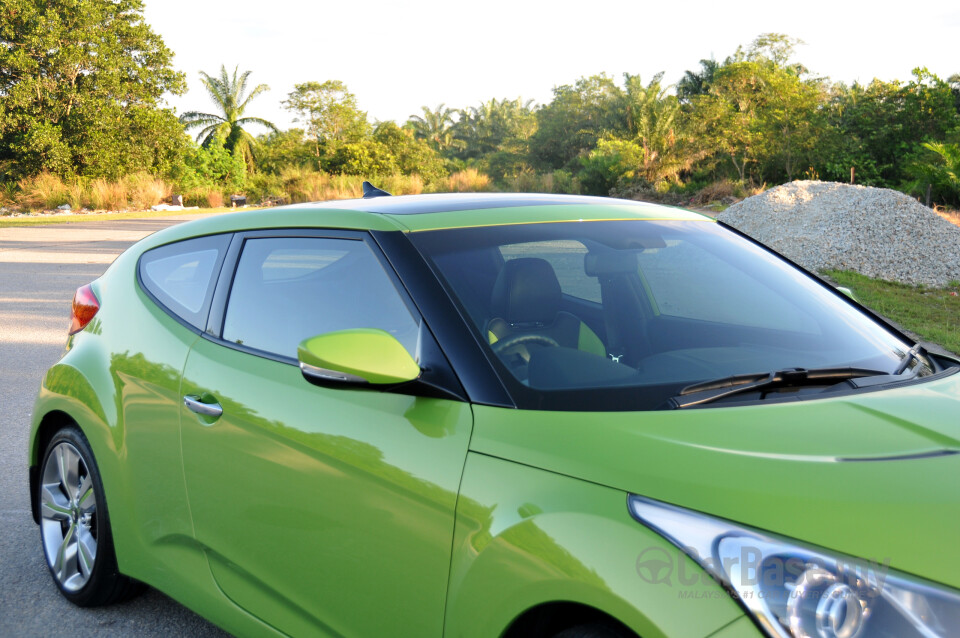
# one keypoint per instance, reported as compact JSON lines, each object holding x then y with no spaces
{"x":877,"y":232}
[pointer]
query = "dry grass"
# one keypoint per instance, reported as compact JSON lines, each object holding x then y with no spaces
{"x":296,"y":185}
{"x":952,"y":216}
{"x":47,"y":191}
{"x":293,"y":185}
{"x":104,"y":195}
{"x":401,"y":184}
{"x":43,"y":191}
{"x":144,"y":191}
{"x":529,"y":181}
{"x":468,"y":181}
{"x":214,"y":199}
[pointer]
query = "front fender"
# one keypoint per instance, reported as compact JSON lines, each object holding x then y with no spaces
{"x":526,"y":537}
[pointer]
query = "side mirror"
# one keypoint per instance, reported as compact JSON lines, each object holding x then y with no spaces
{"x":360,"y":356}
{"x":847,"y":292}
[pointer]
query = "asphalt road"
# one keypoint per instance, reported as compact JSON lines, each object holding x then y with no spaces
{"x":40,"y":268}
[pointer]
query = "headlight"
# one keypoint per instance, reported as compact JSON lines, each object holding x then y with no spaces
{"x":795,"y":591}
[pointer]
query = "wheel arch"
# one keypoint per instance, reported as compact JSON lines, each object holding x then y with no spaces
{"x":67,"y":397}
{"x":51,"y":423}
{"x":547,"y":619}
{"x":530,"y":543}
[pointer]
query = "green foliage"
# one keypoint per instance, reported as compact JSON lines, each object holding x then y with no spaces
{"x":81,"y":82}
{"x":577,"y":117}
{"x":212,"y":166}
{"x":329,"y":112}
{"x":877,"y":127}
{"x":364,"y":157}
{"x":229,"y":94}
{"x":939,"y":166}
{"x":411,"y":156}
{"x":436,"y":128}
{"x":495,"y":126}
{"x":695,"y":83}
{"x":762,"y":116}
{"x":611,"y":161}
{"x":282,"y":149}
{"x":659,"y":130}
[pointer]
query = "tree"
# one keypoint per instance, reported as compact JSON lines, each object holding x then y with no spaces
{"x":81,"y":83}
{"x":279,"y":150}
{"x":230,"y":95}
{"x":436,"y":127}
{"x":695,"y":83}
{"x":329,"y":112}
{"x":655,"y":121}
{"x":575,"y":119}
{"x":760,"y":112}
{"x":876,"y":128}
{"x":954,"y":81}
{"x":939,"y":167}
{"x":411,"y":155}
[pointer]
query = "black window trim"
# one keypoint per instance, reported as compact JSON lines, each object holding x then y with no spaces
{"x":446,"y":319}
{"x":208,"y":304}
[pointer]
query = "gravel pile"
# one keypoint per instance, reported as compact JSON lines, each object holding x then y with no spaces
{"x":877,"y":232}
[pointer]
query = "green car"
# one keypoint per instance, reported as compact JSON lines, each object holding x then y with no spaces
{"x":496,"y":415}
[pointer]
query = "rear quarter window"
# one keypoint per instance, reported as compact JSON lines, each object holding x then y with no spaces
{"x":181,"y":276}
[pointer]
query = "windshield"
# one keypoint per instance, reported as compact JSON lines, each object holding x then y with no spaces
{"x":621,"y":314}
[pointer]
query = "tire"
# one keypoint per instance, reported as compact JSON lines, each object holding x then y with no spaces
{"x":593,"y":630}
{"x":74,"y":524}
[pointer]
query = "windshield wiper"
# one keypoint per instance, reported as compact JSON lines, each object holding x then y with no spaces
{"x":707,"y":391}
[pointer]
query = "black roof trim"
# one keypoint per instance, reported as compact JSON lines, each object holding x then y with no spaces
{"x":445,"y":202}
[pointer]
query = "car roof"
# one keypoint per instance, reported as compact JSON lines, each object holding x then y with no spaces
{"x":458,"y":210}
{"x":416,"y":213}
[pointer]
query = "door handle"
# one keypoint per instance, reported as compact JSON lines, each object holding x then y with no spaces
{"x":194,"y":404}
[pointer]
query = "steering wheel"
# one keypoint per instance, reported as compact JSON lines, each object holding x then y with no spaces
{"x":522,"y":339}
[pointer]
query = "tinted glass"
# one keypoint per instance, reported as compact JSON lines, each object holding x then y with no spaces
{"x":181,"y":276}
{"x":289,"y":289}
{"x":720,"y":292}
{"x":681,"y":302}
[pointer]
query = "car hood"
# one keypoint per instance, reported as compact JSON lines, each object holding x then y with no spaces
{"x":874,"y":475}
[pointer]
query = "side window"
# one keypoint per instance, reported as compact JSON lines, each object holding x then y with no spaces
{"x":181,"y":276}
{"x":287,"y":289}
{"x":718,"y":292}
{"x":566,"y":257}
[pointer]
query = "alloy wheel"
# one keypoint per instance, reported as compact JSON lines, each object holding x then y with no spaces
{"x":68,"y":511}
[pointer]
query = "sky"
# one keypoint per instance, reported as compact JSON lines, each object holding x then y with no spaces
{"x":397,"y":56}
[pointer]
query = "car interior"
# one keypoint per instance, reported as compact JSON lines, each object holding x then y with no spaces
{"x":573,"y":312}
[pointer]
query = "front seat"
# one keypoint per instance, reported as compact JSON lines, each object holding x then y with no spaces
{"x":526,"y":301}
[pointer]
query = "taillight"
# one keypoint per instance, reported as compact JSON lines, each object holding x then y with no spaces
{"x":85,"y":306}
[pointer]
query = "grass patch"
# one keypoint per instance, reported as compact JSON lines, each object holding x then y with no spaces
{"x":932,"y":313}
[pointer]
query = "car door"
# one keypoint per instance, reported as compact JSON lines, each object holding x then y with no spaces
{"x":323,"y":510}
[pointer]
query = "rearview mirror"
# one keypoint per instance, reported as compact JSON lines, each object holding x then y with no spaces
{"x":359,"y":356}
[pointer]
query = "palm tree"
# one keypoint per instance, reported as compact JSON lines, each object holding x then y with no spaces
{"x":435,"y":127}
{"x":697,"y":83}
{"x":229,"y":93}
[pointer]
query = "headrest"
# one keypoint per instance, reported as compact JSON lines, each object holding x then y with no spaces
{"x":610,"y":262}
{"x":526,"y":291}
